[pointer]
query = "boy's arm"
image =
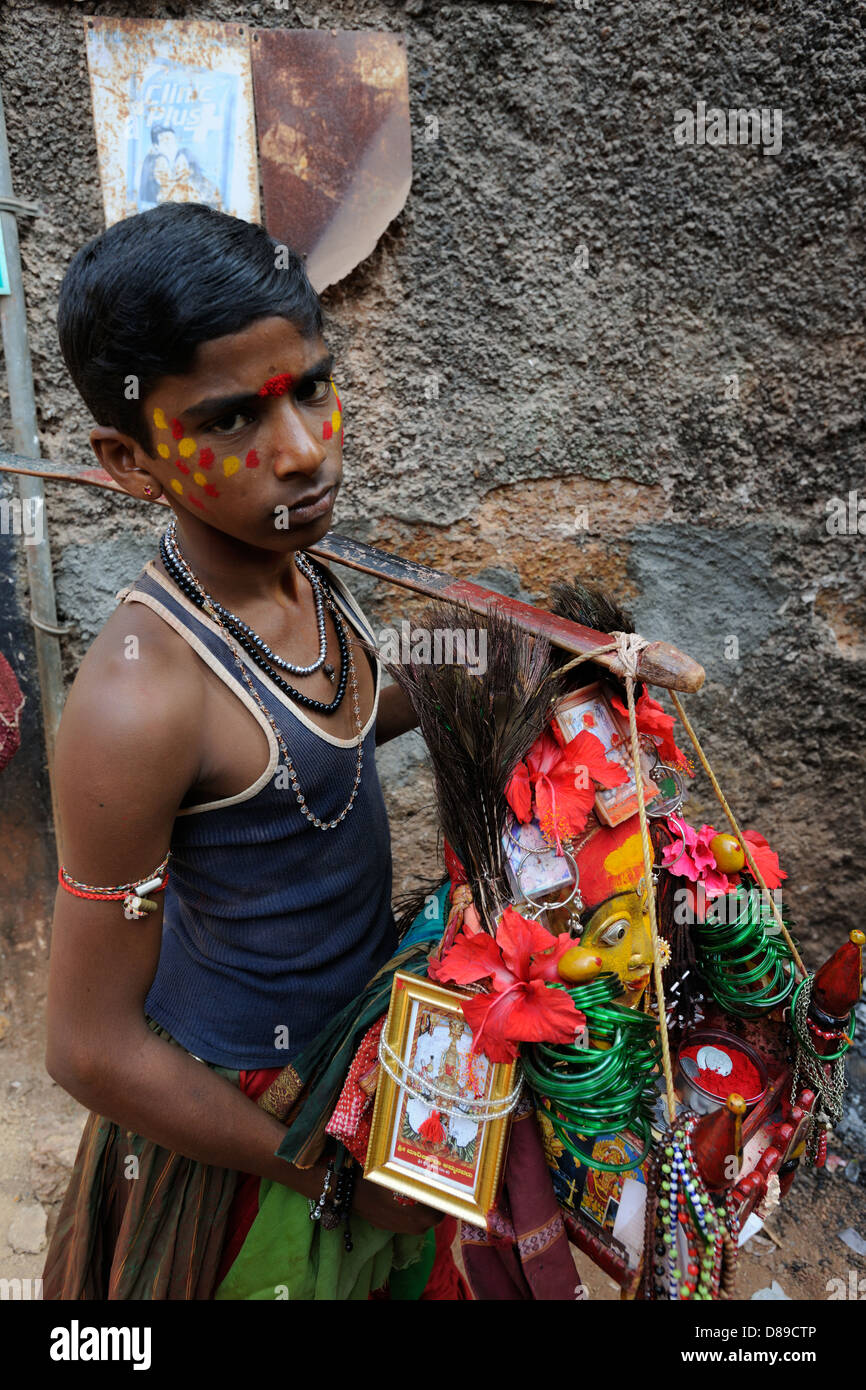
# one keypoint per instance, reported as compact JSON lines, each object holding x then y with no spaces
{"x":395,"y":714}
{"x":127,"y":753}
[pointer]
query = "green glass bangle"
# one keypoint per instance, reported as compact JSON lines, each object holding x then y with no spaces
{"x":748,"y":977}
{"x":600,"y":1089}
{"x":594,"y":1081}
{"x":805,"y":1042}
{"x":736,"y":1001}
{"x":644,"y":1134}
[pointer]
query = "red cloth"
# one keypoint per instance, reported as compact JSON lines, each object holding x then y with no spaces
{"x":11,"y":705}
{"x":446,"y":1283}
{"x":454,"y":868}
{"x":245,"y":1205}
{"x":350,"y":1122}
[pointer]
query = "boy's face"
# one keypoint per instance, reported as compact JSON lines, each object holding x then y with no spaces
{"x":249,"y":440}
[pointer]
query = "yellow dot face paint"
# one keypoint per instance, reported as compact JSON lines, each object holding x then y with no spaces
{"x":186,"y":445}
{"x":335,"y":421}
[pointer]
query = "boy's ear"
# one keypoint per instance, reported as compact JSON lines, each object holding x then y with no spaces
{"x":125,"y":461}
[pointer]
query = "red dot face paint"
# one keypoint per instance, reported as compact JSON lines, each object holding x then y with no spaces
{"x":176,"y":429}
{"x":252,"y":458}
{"x":276,"y":385}
{"x":205,"y":458}
{"x":182,"y":466}
{"x":209,"y":490}
{"x":195,"y":501}
{"x":327,"y":430}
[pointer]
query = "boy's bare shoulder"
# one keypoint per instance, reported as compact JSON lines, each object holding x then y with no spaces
{"x":137,"y":647}
{"x":139,"y":685}
{"x":129,"y":747}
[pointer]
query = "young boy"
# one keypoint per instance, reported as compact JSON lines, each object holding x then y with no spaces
{"x":227,"y":713}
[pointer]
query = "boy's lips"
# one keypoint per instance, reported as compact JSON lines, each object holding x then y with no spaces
{"x":312,"y":505}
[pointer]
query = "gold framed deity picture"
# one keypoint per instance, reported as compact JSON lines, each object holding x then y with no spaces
{"x":441,"y":1117}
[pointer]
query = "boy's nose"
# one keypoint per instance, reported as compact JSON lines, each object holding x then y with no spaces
{"x":295,"y":448}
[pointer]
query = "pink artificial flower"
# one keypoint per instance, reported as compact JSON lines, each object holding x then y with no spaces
{"x":697,"y":861}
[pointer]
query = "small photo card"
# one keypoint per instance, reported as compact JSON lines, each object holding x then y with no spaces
{"x":589,"y":710}
{"x":534,"y":869}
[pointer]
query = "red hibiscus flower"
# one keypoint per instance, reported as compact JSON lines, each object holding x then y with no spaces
{"x":518,"y":794}
{"x":652,"y":720}
{"x":561,"y":778}
{"x":519,"y":1007}
{"x":765,"y":858}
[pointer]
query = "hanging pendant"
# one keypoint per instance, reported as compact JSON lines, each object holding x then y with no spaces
{"x":329,"y":672}
{"x":672,"y":785}
{"x":575,"y":924}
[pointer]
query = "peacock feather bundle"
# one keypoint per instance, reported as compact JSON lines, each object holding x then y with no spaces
{"x":478,"y":723}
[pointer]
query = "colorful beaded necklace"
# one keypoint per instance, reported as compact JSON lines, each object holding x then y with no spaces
{"x":690,"y":1244}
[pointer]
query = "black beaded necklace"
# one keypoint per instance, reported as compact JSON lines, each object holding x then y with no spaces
{"x":252,"y":644}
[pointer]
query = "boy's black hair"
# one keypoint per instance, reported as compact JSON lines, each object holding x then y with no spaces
{"x":138,"y":300}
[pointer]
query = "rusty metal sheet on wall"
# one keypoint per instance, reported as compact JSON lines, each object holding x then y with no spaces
{"x":332,"y":110}
{"x":173,"y":110}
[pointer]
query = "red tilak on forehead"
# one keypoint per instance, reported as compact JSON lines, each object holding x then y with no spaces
{"x":276,"y":385}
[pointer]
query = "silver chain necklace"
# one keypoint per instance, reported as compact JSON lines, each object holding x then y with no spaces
{"x":211,"y":607}
{"x":305,"y":568}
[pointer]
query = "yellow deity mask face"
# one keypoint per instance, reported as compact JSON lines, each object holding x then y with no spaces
{"x":618,"y":933}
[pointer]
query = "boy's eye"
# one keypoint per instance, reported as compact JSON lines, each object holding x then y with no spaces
{"x":314,"y":392}
{"x":231,"y":423}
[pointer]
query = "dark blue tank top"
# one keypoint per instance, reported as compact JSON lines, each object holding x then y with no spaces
{"x":270,"y":926}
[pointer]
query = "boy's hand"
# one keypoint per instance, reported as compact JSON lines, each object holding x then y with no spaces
{"x":377,"y":1205}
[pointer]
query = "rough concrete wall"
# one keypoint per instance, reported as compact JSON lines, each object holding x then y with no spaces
{"x":579,"y":348}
